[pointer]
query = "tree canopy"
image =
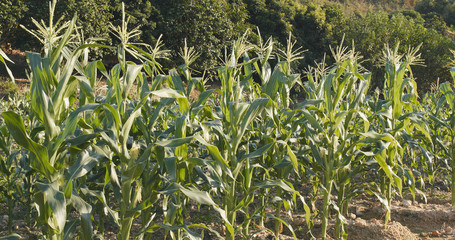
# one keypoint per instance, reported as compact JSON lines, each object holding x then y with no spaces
{"x":210,"y":25}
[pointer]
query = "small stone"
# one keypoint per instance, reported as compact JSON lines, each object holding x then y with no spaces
{"x":423,"y":234}
{"x":374,"y":221}
{"x":435,"y":233}
{"x":299,"y":221}
{"x":448,"y":231}
{"x":407,"y":203}
{"x":359,"y":211}
{"x":352,"y":216}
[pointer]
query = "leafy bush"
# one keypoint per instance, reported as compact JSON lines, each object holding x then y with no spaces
{"x":372,"y":32}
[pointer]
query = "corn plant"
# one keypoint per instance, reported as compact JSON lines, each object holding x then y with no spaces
{"x":279,"y":121}
{"x":449,"y":124}
{"x":10,"y":174}
{"x":232,"y":167}
{"x":333,"y":106}
{"x":53,"y":92}
{"x":396,"y":118}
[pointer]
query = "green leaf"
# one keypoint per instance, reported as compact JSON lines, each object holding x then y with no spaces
{"x":253,"y":111}
{"x":4,"y":57}
{"x":285,"y":223}
{"x":132,"y":71}
{"x":68,"y":189}
{"x":189,"y":234}
{"x":40,"y":161}
{"x":202,"y":98}
{"x":57,"y":202}
{"x":85,"y":211}
{"x":198,"y":196}
{"x":82,"y":166}
{"x":13,"y":236}
{"x":292,"y":157}
{"x":176,"y":80}
{"x":70,"y":229}
{"x":372,"y":137}
{"x":167,"y":93}
{"x":127,"y":127}
{"x":171,"y":167}
{"x":314,"y":123}
{"x":175,"y":142}
{"x":213,"y":150}
{"x":259,"y":152}
{"x":446,"y":89}
{"x":275,"y":183}
{"x":381,"y":159}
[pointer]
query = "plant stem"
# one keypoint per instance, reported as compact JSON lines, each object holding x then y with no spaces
{"x":278,"y":224}
{"x":101,"y":218}
{"x":325,"y":207}
{"x":10,"y":203}
{"x":126,"y":222}
{"x":340,"y":202}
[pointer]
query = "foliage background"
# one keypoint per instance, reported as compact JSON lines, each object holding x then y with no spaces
{"x":209,"y":25}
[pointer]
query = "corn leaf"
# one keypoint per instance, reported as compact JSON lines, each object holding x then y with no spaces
{"x":57,"y":203}
{"x":40,"y":161}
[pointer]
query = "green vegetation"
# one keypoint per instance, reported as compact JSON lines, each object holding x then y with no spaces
{"x":212,"y":25}
{"x":157,"y":148}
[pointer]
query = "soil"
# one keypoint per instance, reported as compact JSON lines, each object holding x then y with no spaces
{"x":19,"y":59}
{"x":410,"y":221}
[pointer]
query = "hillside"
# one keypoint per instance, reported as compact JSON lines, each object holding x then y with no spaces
{"x":363,"y":6}
{"x":211,"y":25}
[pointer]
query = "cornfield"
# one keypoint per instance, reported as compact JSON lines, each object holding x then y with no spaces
{"x":145,"y":150}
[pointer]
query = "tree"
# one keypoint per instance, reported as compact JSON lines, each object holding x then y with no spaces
{"x":207,"y":25}
{"x":11,"y":12}
{"x":372,"y":32}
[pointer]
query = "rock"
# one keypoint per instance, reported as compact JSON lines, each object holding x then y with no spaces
{"x":407,"y":203}
{"x":448,"y":231}
{"x":352,"y":216}
{"x":435,"y":233}
{"x":375,"y":221}
{"x":359,"y":211}
{"x":299,"y":221}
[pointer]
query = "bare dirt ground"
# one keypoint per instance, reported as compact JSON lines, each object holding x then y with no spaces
{"x":410,"y":221}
